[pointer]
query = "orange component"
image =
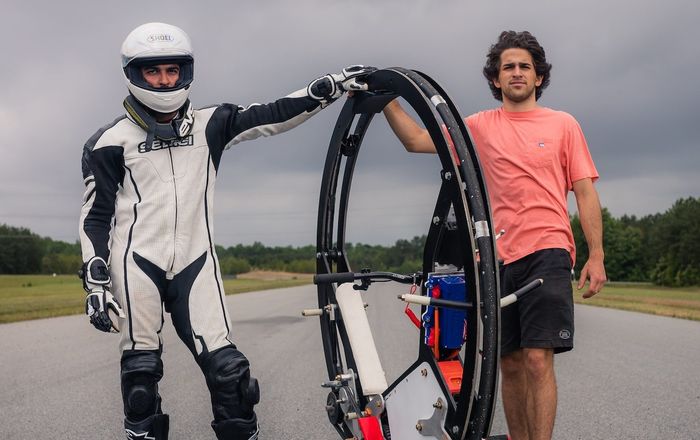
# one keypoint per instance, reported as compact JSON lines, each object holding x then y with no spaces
{"x":452,"y":372}
{"x":436,"y":293}
{"x":370,"y":428}
{"x":436,"y":333}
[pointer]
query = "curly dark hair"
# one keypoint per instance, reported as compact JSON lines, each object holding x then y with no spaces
{"x":520,"y":40}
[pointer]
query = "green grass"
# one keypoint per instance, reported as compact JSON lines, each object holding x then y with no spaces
{"x":24,"y":297}
{"x":646,"y":298}
{"x":39,"y":296}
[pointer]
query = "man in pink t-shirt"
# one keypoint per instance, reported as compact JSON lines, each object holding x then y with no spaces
{"x":531,"y":157}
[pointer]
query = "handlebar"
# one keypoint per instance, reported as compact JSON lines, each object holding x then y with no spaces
{"x":348,"y":277}
{"x":327,"y":278}
{"x":368,"y":277}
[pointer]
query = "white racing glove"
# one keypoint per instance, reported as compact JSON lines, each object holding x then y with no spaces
{"x":330,"y":87}
{"x":99,"y":301}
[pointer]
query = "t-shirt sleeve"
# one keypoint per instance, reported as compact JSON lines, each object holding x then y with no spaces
{"x":580,"y":163}
{"x":472,"y":122}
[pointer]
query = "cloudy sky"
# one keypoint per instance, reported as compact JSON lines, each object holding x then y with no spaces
{"x":625,"y":69}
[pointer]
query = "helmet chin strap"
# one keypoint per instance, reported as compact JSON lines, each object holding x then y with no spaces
{"x":180,"y":126}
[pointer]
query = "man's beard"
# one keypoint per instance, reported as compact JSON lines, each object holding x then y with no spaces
{"x":517,"y":97}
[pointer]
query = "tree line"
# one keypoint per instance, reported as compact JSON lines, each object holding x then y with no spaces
{"x":659,"y":248}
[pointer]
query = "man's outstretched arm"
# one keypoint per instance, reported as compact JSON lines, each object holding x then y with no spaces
{"x":247,"y":123}
{"x":413,"y":137}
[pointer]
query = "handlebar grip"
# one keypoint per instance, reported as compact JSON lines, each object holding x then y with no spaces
{"x":532,"y":285}
{"x":513,"y":297}
{"x":340,"y":277}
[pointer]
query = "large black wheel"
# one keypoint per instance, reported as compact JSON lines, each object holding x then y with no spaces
{"x":467,"y":242}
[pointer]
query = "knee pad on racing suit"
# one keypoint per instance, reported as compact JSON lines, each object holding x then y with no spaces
{"x":140,"y":372}
{"x":233,"y":394}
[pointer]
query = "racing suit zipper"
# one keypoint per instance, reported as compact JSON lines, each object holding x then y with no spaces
{"x":172,"y":168}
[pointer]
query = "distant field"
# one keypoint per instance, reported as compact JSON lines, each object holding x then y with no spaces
{"x":639,"y":297}
{"x":25,"y":297}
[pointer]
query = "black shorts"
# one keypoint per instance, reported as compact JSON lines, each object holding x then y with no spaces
{"x":544,"y":317}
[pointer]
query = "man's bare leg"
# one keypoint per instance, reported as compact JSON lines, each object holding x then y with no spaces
{"x":541,"y":392}
{"x":514,"y":394}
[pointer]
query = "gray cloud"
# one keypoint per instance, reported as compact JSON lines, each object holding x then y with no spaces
{"x":624,"y":69}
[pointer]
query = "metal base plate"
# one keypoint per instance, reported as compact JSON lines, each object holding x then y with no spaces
{"x":411,"y":407}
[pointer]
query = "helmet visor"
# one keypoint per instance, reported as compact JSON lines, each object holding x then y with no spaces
{"x":134,"y":72}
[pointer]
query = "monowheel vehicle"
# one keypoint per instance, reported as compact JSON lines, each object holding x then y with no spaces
{"x":449,"y":391}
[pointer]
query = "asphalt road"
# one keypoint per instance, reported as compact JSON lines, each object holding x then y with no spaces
{"x":630,"y":376}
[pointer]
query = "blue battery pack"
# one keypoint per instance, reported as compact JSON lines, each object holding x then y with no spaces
{"x":452,"y":322}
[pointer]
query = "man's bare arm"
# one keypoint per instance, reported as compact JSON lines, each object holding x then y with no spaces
{"x":592,"y":225}
{"x":413,"y":137}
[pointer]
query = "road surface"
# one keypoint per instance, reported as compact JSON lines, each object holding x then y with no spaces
{"x":631,"y":376}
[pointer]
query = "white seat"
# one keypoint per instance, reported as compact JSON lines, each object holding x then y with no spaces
{"x":369,"y":367}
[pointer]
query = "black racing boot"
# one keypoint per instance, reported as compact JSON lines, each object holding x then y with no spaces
{"x":154,"y":427}
{"x":237,"y":429}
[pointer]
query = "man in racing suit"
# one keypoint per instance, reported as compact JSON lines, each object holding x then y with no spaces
{"x":146,"y":225}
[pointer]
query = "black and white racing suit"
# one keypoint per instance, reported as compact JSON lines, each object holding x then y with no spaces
{"x":148,"y":211}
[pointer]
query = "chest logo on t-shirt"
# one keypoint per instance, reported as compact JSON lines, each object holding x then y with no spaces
{"x":540,"y":144}
{"x":160,"y":144}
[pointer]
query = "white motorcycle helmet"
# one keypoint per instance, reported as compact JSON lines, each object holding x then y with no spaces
{"x":158,"y":43}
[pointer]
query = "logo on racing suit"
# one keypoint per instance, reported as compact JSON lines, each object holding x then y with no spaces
{"x":159,"y":144}
{"x":131,"y":435}
{"x":187,"y":121}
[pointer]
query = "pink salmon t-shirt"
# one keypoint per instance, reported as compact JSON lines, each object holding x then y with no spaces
{"x":530,"y":161}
